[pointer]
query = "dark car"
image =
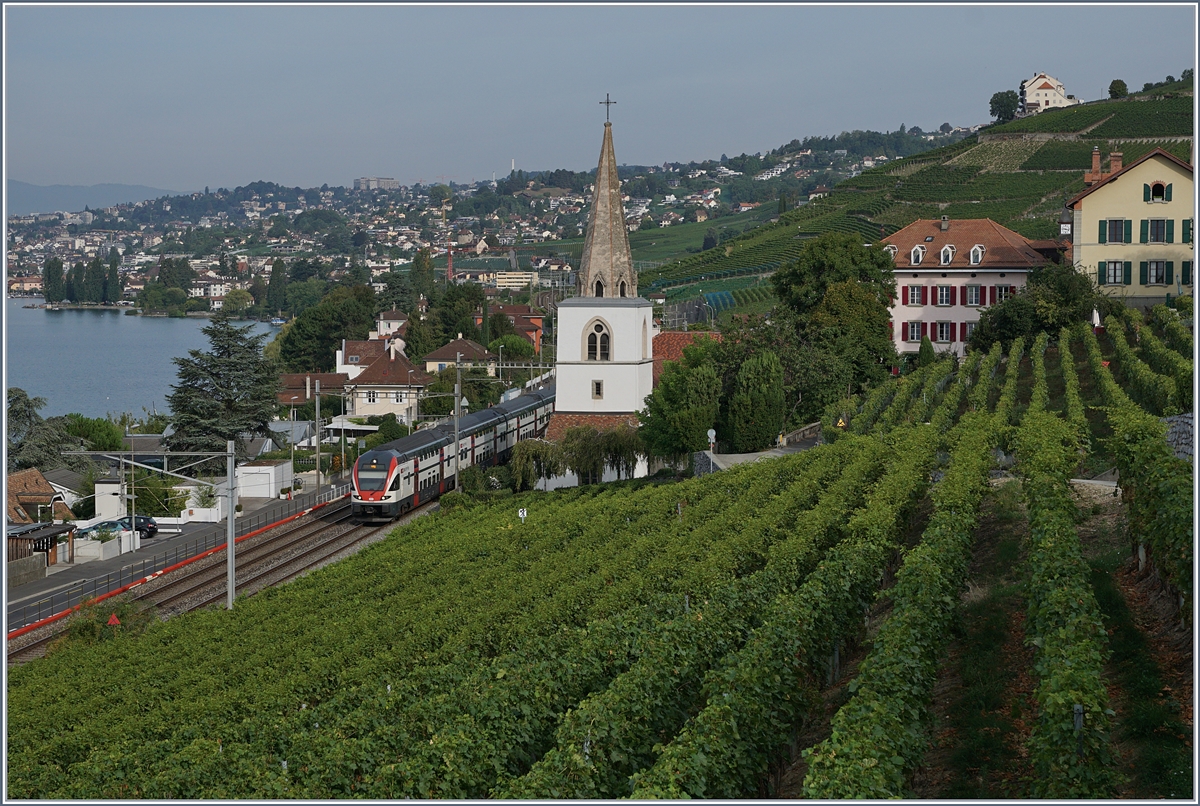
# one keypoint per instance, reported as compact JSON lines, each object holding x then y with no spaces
{"x":147,"y":527}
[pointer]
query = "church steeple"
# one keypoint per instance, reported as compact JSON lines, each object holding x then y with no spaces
{"x":606,"y":269}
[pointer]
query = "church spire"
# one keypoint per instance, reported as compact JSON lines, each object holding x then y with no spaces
{"x":606,"y":269}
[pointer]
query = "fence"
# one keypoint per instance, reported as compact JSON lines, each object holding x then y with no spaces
{"x":19,"y":616}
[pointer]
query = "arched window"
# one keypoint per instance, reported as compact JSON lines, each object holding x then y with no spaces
{"x":622,"y":288}
{"x":977,"y":254}
{"x":599,"y":288}
{"x":599,"y":343}
{"x":1158,"y":192}
{"x":917,"y":255}
{"x":947,"y":254}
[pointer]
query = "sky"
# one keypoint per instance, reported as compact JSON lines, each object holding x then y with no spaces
{"x":183,"y":97}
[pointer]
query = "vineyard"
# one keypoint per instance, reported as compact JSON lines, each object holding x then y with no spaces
{"x":1021,"y":184}
{"x":654,"y":640}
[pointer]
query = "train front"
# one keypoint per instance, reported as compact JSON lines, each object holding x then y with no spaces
{"x":376,"y":495}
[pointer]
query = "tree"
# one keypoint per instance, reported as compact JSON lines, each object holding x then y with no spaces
{"x":421,"y":273}
{"x":710,"y":239}
{"x":305,"y":295}
{"x":93,"y":281}
{"x":277,"y":287}
{"x":1117,"y":89}
{"x":113,"y":285}
{"x":73,"y":288}
{"x":34,"y":442}
{"x":226,"y":393}
{"x":1004,"y":105}
{"x":345,"y":313}
{"x":534,"y":460}
{"x":52,"y":280}
{"x":683,"y":406}
{"x":945,"y":128}
{"x":756,"y":409}
{"x":925,"y":354}
{"x":1055,"y":296}
{"x":237,"y":301}
{"x":833,"y":258}
{"x":514,"y":346}
{"x":420,"y":339}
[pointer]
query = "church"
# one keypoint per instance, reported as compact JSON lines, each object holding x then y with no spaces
{"x":605,"y":334}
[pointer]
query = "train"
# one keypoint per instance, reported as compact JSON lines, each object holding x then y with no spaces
{"x":402,"y":474}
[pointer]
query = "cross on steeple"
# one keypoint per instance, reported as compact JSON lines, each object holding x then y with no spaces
{"x":607,"y":103}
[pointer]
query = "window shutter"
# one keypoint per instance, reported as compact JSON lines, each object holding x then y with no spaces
{"x":953,"y":295}
{"x":1143,"y":273}
{"x":1103,"y":231}
{"x":1170,"y":271}
{"x":991,"y":295}
{"x":1128,"y":272}
{"x":904,"y":294}
{"x":1167,"y":195}
{"x":924,"y":295}
{"x":1101,"y":269}
{"x":1145,"y":231}
{"x":1170,"y":230}
{"x":964,"y":295}
{"x":953,"y":332}
{"x":1145,"y":193}
{"x":1012,"y":290}
{"x":1129,"y":230}
{"x":906,"y":332}
{"x":1187,"y":230}
{"x":1185,"y":269}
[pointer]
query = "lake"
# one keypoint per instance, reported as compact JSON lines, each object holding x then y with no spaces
{"x":97,"y":362}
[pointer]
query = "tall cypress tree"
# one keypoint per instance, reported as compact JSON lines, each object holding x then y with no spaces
{"x":53,"y":283}
{"x":113,"y":285}
{"x":756,"y":408}
{"x":93,"y":281}
{"x":73,"y":284}
{"x":277,"y":287}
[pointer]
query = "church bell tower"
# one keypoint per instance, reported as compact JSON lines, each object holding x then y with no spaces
{"x":606,"y":270}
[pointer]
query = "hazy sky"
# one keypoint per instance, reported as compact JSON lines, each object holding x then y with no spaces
{"x":181,"y":97}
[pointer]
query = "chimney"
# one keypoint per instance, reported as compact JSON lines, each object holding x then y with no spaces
{"x":1114,"y":162}
{"x":460,"y":335}
{"x":1096,"y":161}
{"x":945,"y":223}
{"x":308,"y":387}
{"x":392,"y":349}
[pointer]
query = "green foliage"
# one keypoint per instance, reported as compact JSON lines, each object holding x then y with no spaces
{"x":1166,"y":362}
{"x":33,"y":441}
{"x":311,"y":343}
{"x":683,"y":406}
{"x":514,"y":347}
{"x":756,"y":410}
{"x":98,"y":433}
{"x":1003,"y":106}
{"x":1117,"y":89}
{"x":157,"y":497}
{"x":89,"y":625}
{"x":53,"y":280}
{"x":926,"y":355}
{"x":1157,"y":393}
{"x":223,"y":394}
{"x":829,"y":259}
{"x":1176,"y":336}
{"x":1156,"y":487}
{"x":1055,"y":296}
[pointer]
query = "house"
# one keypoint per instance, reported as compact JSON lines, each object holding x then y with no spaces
{"x":818,"y":192}
{"x":947,"y":272}
{"x":526,"y":321}
{"x":390,"y":385}
{"x":1042,"y":92}
{"x":1132,"y":229}
{"x":354,"y":356}
{"x":32,"y":499}
{"x":298,"y":387}
{"x":469,"y":354}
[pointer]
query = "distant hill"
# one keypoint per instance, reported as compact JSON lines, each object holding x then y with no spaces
{"x":1019,"y":183}
{"x":24,"y":198}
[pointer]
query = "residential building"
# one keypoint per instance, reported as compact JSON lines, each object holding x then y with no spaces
{"x":947,"y":272}
{"x":1132,"y":229}
{"x":1042,"y":92}
{"x":526,"y":321}
{"x":354,"y":356}
{"x":390,"y":385}
{"x":470,"y":354}
{"x":31,"y":499}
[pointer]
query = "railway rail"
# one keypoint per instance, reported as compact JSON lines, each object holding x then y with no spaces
{"x":277,"y":556}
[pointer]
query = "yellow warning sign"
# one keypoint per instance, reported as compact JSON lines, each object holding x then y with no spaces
{"x":841,"y":422}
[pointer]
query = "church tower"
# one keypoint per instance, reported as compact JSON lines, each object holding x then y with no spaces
{"x":605,"y":335}
{"x":607,"y":268}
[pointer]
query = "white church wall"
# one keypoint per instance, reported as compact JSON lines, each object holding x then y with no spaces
{"x":627,"y":378}
{"x":625,"y":386}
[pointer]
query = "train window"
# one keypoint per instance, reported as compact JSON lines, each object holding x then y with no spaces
{"x":395,"y":483}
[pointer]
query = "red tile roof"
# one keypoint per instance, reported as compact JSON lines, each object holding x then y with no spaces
{"x":28,"y":488}
{"x":559,"y":423}
{"x":293,"y":383}
{"x":471,"y":351}
{"x":668,"y":346}
{"x":1156,"y":152}
{"x":388,"y":370}
{"x":367,"y":350}
{"x":1003,"y":248}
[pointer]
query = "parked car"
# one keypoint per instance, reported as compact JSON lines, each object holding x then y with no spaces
{"x":146,"y":526}
{"x":114,"y":528}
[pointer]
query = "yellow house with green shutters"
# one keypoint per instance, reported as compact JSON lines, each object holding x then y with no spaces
{"x":1132,"y":231}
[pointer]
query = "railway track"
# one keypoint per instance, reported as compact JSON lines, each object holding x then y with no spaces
{"x":269,"y":559}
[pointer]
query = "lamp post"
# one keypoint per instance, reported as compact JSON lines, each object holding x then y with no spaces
{"x":292,"y":435}
{"x":412,"y":424}
{"x":501,"y":363}
{"x":457,"y":393}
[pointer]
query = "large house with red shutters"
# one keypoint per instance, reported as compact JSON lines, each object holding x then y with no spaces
{"x":947,"y":272}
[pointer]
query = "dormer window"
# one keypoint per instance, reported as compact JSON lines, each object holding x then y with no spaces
{"x":947,"y":255}
{"x":891,"y":249}
{"x":917,"y":255}
{"x":352,"y":359}
{"x":977,"y":254}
